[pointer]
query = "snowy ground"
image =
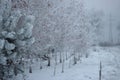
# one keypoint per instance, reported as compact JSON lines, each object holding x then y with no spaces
{"x":88,"y":69}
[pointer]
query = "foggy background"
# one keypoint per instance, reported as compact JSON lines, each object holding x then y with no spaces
{"x":108,"y":7}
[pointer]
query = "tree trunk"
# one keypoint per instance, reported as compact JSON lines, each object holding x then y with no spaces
{"x":60,"y":57}
{"x":66,"y":56}
{"x":75,"y":59}
{"x":40,"y":63}
{"x":48,"y":61}
{"x":63,"y":64}
{"x":15,"y":71}
{"x":69,"y":63}
{"x":30,"y":69}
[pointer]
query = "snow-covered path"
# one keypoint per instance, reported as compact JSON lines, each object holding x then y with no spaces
{"x":88,"y":69}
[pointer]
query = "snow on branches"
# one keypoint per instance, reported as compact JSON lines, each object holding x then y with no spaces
{"x":14,"y":39}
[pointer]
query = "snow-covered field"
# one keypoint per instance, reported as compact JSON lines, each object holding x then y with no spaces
{"x":87,"y":69}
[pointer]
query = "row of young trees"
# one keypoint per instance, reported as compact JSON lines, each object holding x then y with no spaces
{"x":60,"y":24}
{"x":63,"y":28}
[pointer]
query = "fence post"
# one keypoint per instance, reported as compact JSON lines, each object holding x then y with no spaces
{"x":100,"y":71}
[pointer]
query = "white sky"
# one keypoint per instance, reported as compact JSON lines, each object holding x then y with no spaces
{"x":106,"y":5}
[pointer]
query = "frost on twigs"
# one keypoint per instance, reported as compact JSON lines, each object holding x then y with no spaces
{"x":15,"y":38}
{"x":2,"y":42}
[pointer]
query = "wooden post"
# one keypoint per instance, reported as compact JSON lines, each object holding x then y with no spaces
{"x":100,"y":72}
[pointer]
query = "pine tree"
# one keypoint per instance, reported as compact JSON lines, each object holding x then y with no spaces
{"x":15,"y":40}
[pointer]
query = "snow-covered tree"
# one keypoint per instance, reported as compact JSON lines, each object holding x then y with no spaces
{"x":95,"y":23}
{"x":58,"y":22}
{"x":15,"y":40}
